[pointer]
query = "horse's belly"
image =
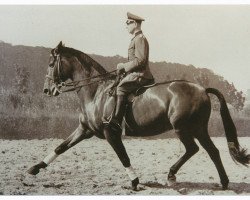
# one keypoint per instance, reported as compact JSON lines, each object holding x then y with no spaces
{"x":155,"y":128}
{"x":148,"y":116}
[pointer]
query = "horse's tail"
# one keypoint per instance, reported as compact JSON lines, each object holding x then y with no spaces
{"x":237,"y":153}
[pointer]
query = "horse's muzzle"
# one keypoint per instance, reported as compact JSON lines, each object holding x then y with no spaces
{"x":47,"y":86}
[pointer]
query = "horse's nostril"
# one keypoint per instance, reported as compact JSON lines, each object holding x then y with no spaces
{"x":45,"y":90}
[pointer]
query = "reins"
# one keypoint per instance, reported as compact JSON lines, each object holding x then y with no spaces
{"x":74,"y":86}
{"x":79,"y":86}
{"x":82,"y":80}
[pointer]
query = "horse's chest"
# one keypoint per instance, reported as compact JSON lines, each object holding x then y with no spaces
{"x":93,"y":116}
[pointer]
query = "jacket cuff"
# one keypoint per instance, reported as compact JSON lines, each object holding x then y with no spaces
{"x":128,"y":66}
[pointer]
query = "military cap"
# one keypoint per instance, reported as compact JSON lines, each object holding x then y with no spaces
{"x":132,"y":17}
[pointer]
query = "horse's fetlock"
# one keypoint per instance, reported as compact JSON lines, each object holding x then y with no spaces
{"x":34,"y":170}
{"x":225,"y":183}
{"x":172,"y":171}
{"x":171,"y":177}
{"x":126,"y":163}
{"x":134,"y":184}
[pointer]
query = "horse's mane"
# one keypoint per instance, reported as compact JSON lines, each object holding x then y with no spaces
{"x":85,"y":60}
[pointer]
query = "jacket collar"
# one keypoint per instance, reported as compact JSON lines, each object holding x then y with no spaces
{"x":137,"y":33}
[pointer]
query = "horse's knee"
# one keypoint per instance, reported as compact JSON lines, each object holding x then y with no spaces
{"x":111,"y":136}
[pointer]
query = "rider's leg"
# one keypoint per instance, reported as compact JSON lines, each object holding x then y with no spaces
{"x":120,"y":109}
{"x":127,"y":85}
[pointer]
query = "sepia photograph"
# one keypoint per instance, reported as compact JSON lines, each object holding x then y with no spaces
{"x":124,"y":99}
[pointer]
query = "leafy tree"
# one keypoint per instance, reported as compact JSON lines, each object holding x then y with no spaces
{"x":21,"y":80}
{"x":236,"y":97}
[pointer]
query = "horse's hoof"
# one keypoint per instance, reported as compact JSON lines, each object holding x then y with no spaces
{"x":135,"y":182}
{"x":33,"y":170}
{"x":36,"y":169}
{"x":225,"y":186}
{"x":171,"y":180}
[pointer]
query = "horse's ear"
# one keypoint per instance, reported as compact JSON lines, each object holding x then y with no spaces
{"x":59,"y":46}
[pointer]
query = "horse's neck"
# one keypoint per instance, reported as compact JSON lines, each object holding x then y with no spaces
{"x":89,"y":93}
{"x":87,"y":68}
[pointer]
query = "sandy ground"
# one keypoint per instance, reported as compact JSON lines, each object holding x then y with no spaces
{"x":92,"y":168}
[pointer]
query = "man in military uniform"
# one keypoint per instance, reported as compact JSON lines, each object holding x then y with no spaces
{"x":136,"y":69}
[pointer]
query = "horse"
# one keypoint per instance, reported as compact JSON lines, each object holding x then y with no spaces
{"x":181,"y":106}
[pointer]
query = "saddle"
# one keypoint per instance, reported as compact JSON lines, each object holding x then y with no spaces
{"x":138,"y":92}
{"x":131,"y":97}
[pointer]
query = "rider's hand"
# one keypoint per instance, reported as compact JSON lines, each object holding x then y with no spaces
{"x":120,"y":69}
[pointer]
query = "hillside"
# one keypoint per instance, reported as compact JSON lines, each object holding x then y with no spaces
{"x":34,"y":61}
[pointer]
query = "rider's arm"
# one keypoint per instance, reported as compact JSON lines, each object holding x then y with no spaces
{"x":141,"y":55}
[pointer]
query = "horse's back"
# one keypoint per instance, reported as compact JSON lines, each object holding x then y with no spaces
{"x":163,"y":97}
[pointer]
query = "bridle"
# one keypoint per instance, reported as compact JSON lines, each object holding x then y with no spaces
{"x":73,"y":84}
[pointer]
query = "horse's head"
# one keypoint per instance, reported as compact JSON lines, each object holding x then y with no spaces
{"x":67,"y":63}
{"x":59,"y":70}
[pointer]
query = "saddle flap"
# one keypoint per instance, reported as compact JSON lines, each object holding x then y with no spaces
{"x":139,"y":91}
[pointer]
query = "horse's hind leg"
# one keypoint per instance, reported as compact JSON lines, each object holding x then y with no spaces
{"x":214,"y":154}
{"x":191,"y":148}
{"x":78,"y":135}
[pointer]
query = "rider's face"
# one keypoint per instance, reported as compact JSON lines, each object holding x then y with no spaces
{"x":131,"y":27}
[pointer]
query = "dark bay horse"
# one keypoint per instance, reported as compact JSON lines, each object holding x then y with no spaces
{"x":179,"y":105}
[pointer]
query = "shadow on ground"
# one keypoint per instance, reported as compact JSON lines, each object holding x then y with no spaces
{"x":186,"y":187}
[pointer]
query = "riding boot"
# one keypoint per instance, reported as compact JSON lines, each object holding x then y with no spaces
{"x":116,"y":120}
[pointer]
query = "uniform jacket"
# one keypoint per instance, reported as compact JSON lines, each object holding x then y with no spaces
{"x":138,"y":53}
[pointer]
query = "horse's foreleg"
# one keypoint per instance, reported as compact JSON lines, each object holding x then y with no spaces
{"x":78,"y":135}
{"x":115,"y":141}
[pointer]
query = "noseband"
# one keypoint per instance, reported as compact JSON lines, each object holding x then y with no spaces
{"x":51,"y":74}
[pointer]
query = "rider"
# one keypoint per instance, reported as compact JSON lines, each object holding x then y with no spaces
{"x":136,"y":70}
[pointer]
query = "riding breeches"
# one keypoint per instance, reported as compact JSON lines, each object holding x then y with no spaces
{"x":131,"y":83}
